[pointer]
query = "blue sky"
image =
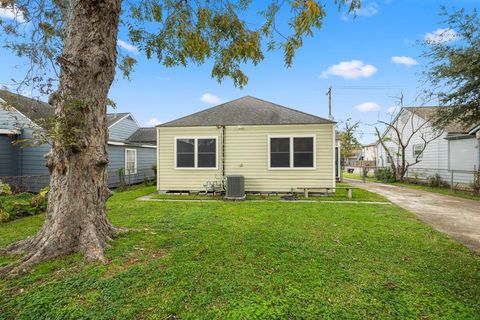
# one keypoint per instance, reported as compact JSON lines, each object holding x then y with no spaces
{"x":367,"y":60}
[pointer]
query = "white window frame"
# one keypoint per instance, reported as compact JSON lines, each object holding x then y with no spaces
{"x":291,"y":137}
{"x":420,"y":156}
{"x":136,"y":164}
{"x":195,"y":154}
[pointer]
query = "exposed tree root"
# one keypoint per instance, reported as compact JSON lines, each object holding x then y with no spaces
{"x":92,"y":241}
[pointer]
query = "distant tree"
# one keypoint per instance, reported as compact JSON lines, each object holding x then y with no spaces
{"x":72,"y":47}
{"x":400,"y":131}
{"x":454,"y":68}
{"x":348,"y":137}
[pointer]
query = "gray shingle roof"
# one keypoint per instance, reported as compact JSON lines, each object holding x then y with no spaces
{"x":145,"y":136}
{"x":430,"y":113}
{"x":246,"y":111}
{"x":114,"y":117}
{"x":37,"y":111}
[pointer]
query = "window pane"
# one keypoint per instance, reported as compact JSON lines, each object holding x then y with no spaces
{"x":206,"y":160}
{"x":303,"y":144}
{"x":280,"y":160}
{"x":185,"y":153}
{"x":303,"y":160}
{"x":206,"y":145}
{"x":207,"y":153}
{"x":185,"y":160}
{"x":185,"y":145}
{"x":280,"y":152}
{"x":303,"y":152}
{"x":280,"y":145}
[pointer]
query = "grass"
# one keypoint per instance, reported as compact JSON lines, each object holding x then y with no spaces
{"x":251,"y":260}
{"x":340,"y":195}
{"x":445,"y":191}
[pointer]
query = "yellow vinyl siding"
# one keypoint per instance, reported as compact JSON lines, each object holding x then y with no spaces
{"x":190,"y":179}
{"x":246,"y":153}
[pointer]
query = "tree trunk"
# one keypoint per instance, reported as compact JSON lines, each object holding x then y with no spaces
{"x":76,"y":218}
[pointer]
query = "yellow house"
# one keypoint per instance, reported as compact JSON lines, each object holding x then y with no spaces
{"x":276,"y":149}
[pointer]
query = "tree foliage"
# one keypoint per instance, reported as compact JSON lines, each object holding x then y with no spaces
{"x":348,"y":137}
{"x":454,"y":69}
{"x":175,"y":32}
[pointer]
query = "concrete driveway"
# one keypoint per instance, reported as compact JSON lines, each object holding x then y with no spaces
{"x":460,"y":218}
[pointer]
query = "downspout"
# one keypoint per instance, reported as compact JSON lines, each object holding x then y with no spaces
{"x":222,"y":155}
{"x":223,"y":152}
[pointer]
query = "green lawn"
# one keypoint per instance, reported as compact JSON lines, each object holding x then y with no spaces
{"x":446,"y":191}
{"x":340,"y":195}
{"x":252,"y":260}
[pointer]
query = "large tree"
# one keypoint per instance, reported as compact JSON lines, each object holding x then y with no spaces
{"x":77,"y":40}
{"x":454,"y":68}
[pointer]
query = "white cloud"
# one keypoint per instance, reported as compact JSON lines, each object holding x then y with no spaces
{"x":368,"y":9}
{"x":127,"y":46}
{"x":210,"y":98}
{"x":407,"y":61}
{"x":11,"y":13}
{"x":153,"y":122}
{"x":367,"y":107}
{"x":441,"y":35}
{"x":350,"y":70}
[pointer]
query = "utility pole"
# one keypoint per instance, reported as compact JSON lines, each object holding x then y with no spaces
{"x":329,"y":94}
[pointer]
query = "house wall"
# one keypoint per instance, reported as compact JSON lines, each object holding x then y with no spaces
{"x":8,"y":156}
{"x":29,"y":161}
{"x":123,"y":129}
{"x":28,"y":156}
{"x":146,"y":158}
{"x":246,"y":153}
{"x":435,"y":159}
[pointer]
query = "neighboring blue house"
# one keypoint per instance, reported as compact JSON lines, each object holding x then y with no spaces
{"x":130,"y":147}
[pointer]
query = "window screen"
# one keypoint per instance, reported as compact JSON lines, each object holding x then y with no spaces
{"x":303,"y":152}
{"x":185,"y":153}
{"x":207,"y":156}
{"x":280,"y":152}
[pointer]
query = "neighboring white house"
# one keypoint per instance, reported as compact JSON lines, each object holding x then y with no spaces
{"x":369,"y":152}
{"x":455,"y":153}
{"x":276,"y":149}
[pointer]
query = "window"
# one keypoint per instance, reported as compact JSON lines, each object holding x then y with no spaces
{"x":417,"y":151}
{"x":130,"y":161}
{"x":292,"y":152}
{"x":185,"y":153}
{"x":196,"y":153}
{"x":280,"y":152}
{"x":392,"y":153}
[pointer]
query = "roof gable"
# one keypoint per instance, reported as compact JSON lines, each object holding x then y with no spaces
{"x":246,"y":111}
{"x":37,"y":111}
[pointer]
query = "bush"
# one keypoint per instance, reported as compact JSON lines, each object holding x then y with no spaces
{"x":5,"y":188}
{"x":23,"y":204}
{"x":437,"y":181}
{"x":385,"y":175}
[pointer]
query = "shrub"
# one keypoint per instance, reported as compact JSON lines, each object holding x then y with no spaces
{"x":437,"y":181}
{"x":5,"y":188}
{"x":385,"y":174}
{"x":23,"y":204}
